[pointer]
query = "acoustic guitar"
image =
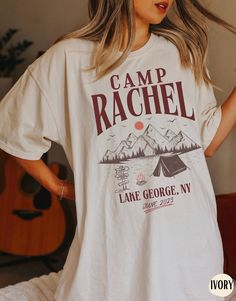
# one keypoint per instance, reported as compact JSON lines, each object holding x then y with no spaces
{"x":32,"y":220}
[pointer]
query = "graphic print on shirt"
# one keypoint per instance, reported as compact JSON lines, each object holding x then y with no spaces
{"x":150,"y":150}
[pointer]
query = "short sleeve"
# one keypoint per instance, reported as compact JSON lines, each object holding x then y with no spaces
{"x":27,"y":126}
{"x":209,"y":114}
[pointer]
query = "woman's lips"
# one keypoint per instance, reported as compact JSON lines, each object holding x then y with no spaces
{"x":162,"y":6}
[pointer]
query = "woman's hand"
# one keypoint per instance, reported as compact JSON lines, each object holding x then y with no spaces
{"x":66,"y":190}
{"x":42,"y":173}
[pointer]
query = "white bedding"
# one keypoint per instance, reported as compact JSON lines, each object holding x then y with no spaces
{"x":37,"y":289}
{"x":43,"y":288}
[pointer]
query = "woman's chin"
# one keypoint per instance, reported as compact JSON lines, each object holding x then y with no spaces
{"x":155,"y":21}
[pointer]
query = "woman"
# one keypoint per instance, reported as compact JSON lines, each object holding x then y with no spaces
{"x":130,"y":100}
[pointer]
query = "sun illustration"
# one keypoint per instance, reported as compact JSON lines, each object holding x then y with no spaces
{"x":139,"y":125}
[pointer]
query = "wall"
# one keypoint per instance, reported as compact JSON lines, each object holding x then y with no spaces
{"x":222,"y":66}
{"x":43,"y":21}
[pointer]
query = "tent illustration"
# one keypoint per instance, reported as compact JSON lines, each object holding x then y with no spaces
{"x":170,"y":166}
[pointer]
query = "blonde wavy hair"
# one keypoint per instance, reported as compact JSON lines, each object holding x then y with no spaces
{"x":108,"y":18}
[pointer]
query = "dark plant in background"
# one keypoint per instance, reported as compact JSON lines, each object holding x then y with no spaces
{"x":10,"y":54}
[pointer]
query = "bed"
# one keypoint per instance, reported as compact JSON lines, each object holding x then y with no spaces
{"x":36,"y":289}
{"x":43,"y":288}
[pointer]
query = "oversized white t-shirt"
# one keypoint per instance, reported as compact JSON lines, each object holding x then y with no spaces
{"x":135,"y":139}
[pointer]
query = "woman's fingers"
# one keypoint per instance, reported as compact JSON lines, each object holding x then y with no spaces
{"x":69,"y":191}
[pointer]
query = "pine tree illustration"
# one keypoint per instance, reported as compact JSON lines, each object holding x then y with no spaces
{"x":139,"y":152}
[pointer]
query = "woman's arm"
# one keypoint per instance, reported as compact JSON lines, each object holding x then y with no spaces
{"x":226,"y":125}
{"x":42,"y":174}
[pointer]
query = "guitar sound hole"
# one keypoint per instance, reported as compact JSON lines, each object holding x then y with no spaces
{"x":29,"y":185}
{"x":42,"y":199}
{"x":27,"y":214}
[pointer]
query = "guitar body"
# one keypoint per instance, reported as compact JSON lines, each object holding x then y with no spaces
{"x":32,"y":220}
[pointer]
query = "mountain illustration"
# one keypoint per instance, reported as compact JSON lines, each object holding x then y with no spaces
{"x":131,"y":139}
{"x":182,"y":141}
{"x":156,"y":139}
{"x":143,"y":145}
{"x":110,"y":155}
{"x":150,"y":143}
{"x":169,"y":135}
